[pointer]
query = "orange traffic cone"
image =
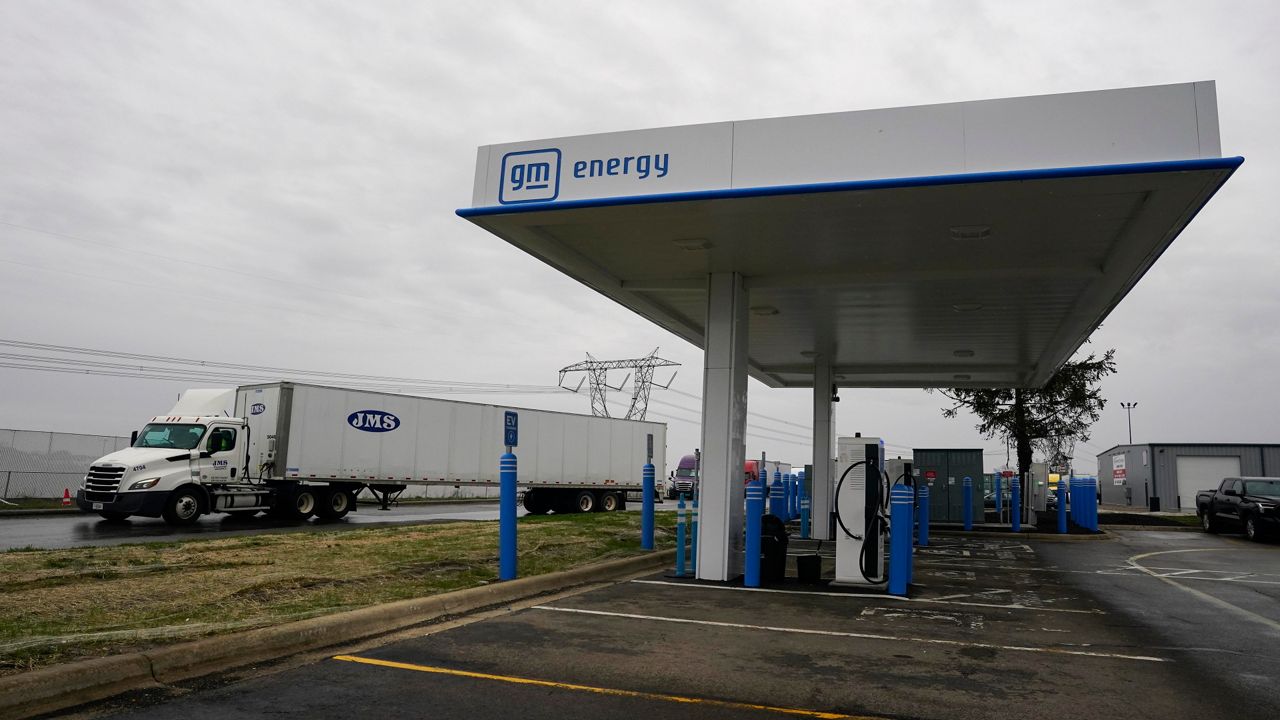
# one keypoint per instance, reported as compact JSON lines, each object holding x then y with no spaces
{"x":66,"y":497}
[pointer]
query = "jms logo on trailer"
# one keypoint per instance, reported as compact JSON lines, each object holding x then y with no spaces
{"x":257,"y":409}
{"x":530,"y":176}
{"x":373,"y":421}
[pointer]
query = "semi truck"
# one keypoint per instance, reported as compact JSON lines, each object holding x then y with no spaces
{"x":297,"y":450}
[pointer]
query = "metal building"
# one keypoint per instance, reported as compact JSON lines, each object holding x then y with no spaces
{"x":1167,"y":476}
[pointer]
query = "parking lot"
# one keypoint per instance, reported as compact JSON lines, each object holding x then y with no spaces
{"x":1142,"y":624}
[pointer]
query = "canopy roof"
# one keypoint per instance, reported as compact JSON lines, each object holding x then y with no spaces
{"x":980,"y":279}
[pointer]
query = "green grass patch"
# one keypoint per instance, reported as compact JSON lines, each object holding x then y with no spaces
{"x":60,"y":605}
{"x":32,"y":504}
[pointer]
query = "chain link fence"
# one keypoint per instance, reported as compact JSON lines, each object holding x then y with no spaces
{"x":38,"y":464}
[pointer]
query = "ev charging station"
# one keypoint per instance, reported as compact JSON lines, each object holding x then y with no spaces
{"x":971,"y":244}
{"x":860,"y":520}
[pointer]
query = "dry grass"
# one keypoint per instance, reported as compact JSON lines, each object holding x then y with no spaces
{"x":58,"y":605}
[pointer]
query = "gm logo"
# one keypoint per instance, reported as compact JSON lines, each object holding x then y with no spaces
{"x":530,"y":176}
{"x":373,"y":421}
{"x":257,"y":409}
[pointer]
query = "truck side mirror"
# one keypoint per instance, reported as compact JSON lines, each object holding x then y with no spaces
{"x":133,"y":438}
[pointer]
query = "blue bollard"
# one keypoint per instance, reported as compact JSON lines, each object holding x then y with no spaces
{"x":900,"y":501}
{"x":923,"y":537}
{"x":1062,"y":505}
{"x":1075,"y":500}
{"x":804,"y":512}
{"x":693,"y":554}
{"x":755,"y":511}
{"x":791,"y":495}
{"x":646,"y":512}
{"x":1015,"y":503}
{"x":999,"y":504}
{"x":507,"y":517}
{"x":778,"y":497}
{"x":680,"y":537}
{"x":968,"y":502}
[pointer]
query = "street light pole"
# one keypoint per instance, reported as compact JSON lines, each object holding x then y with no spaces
{"x":1128,"y":410}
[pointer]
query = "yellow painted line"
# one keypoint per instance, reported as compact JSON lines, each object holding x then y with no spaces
{"x":602,"y":691}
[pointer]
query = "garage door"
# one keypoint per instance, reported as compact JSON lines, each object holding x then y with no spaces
{"x":1202,"y":473}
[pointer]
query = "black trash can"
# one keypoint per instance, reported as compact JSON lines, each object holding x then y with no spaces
{"x":773,"y":549}
{"x":809,"y":569}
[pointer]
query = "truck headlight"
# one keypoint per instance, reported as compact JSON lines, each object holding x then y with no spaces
{"x":144,"y":484}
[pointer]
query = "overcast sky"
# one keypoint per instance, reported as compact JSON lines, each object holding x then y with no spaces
{"x":273,"y":183}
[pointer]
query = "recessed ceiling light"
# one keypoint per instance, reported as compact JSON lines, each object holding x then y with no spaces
{"x":966,"y":307}
{"x":764,"y":310}
{"x":962,"y":377}
{"x":692,"y":244}
{"x":963,"y":353}
{"x":970,"y":232}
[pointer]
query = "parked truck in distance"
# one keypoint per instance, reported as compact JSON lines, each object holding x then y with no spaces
{"x":1251,"y":504}
{"x":298,"y":451}
{"x":684,"y":479}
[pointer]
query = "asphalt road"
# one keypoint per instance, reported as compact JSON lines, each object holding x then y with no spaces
{"x":1161,"y":625}
{"x":79,"y":529}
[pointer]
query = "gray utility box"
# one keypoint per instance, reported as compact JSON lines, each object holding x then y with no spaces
{"x":943,"y":472}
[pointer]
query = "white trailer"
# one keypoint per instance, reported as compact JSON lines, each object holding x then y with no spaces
{"x":298,"y":450}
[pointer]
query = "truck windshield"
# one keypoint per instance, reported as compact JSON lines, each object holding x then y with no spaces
{"x":170,"y":435}
{"x":1270,"y":488}
{"x":685,"y":473}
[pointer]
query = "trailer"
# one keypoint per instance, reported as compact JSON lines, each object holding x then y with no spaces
{"x":297,"y":450}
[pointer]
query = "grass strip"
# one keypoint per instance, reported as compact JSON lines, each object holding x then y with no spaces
{"x":61,"y":605}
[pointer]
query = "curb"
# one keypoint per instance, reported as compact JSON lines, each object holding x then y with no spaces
{"x":1046,"y":537}
{"x":76,"y":683}
{"x":1160,"y":528}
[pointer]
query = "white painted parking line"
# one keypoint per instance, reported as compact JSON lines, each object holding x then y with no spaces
{"x":1212,"y":600}
{"x":863,"y":636}
{"x":871,"y":598}
{"x":1130,"y":570}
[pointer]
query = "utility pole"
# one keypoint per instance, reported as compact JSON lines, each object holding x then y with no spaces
{"x":598,"y":373}
{"x":1128,"y":410}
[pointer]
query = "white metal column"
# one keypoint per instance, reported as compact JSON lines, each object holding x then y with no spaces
{"x":724,"y":427}
{"x":823,"y":449}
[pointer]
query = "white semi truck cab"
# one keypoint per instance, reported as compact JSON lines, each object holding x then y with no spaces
{"x":181,"y":466}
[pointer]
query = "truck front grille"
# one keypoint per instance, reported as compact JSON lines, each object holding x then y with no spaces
{"x":102,"y":482}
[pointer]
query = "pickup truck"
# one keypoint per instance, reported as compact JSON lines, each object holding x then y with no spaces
{"x":1252,"y":503}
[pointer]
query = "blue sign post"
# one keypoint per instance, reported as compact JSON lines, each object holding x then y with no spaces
{"x":507,"y":499}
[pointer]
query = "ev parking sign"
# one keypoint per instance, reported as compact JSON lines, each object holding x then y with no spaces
{"x":511,"y":429}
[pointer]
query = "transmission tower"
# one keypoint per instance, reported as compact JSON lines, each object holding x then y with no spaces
{"x":598,"y":373}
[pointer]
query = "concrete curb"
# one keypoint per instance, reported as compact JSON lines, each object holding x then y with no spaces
{"x":64,"y":686}
{"x":1160,"y":528}
{"x":1046,"y":537}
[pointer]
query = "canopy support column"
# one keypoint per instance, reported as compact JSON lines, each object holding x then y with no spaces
{"x":823,"y":447}
{"x":724,"y":428}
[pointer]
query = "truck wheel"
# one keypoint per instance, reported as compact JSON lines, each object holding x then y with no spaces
{"x":585,"y":502}
{"x":303,"y":504}
{"x":182,"y":507}
{"x":1208,"y":523}
{"x":610,"y":502}
{"x":1251,"y":529}
{"x":114,"y":516}
{"x":334,"y":504}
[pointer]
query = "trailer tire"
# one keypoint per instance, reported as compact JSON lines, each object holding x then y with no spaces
{"x":182,"y":507}
{"x":610,"y":502}
{"x":585,"y":501}
{"x":334,"y":504}
{"x":536,"y":502}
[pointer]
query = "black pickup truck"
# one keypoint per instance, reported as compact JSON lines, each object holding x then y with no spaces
{"x":1251,"y":503}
